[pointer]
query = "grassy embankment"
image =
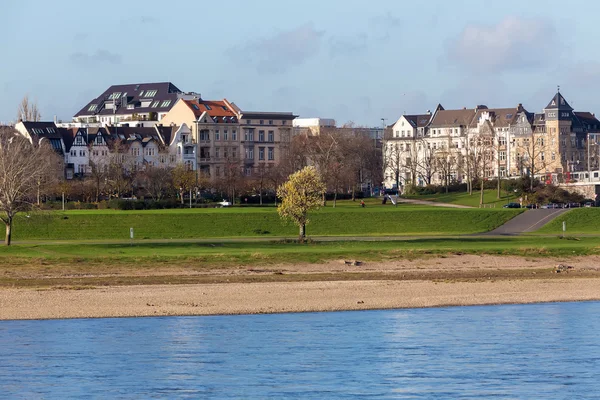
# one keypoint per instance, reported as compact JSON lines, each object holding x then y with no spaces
{"x":348,"y":219}
{"x":85,"y":265}
{"x":579,"y":221}
{"x":463,"y":198}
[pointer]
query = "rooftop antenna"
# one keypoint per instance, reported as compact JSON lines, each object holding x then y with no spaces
{"x":558,"y":88}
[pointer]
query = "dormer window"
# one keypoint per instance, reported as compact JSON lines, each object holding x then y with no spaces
{"x":92,"y":107}
{"x":115,"y":96}
{"x":150,"y":93}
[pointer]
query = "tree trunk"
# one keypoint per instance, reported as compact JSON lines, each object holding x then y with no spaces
{"x":481,"y":195}
{"x":260,"y":196}
{"x":302,"y":233}
{"x":334,"y":198}
{"x":8,"y":237}
{"x":498,"y":194}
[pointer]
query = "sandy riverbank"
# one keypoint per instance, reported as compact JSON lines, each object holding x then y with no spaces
{"x":457,"y":280}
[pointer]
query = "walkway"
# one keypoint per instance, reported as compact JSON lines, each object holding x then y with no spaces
{"x":529,"y":221}
{"x":430,"y":203}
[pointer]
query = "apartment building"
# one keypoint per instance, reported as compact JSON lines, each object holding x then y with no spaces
{"x":228,"y":137}
{"x":452,"y":145}
{"x":142,"y":105}
{"x":133,"y":148}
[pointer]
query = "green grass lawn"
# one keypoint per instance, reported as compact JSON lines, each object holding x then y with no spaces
{"x":347,"y":219}
{"x":579,"y":221}
{"x":463,"y":198}
{"x":251,"y":253}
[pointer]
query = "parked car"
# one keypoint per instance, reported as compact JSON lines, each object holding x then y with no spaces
{"x":512,"y":205}
{"x":224,"y":203}
{"x":589,"y":204}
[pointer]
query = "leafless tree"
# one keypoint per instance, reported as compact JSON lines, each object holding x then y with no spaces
{"x":533,"y":151}
{"x":22,"y":165}
{"x":483,"y":156}
{"x":157,"y":181}
{"x":184,"y":179}
{"x":28,"y":111}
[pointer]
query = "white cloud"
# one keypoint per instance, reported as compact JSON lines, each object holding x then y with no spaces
{"x":282,"y":51}
{"x":513,"y":43}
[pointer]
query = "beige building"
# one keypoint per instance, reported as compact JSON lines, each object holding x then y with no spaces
{"x":228,"y":137}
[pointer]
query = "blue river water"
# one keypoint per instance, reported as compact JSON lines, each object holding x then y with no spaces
{"x":539,"y":351}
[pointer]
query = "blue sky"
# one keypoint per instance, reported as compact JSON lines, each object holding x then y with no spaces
{"x":349,"y":60}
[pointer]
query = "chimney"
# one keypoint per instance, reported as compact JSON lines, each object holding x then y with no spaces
{"x":428,"y":112}
{"x":55,"y":120}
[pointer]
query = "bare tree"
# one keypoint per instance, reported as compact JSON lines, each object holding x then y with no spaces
{"x":184,"y":180}
{"x":28,"y":111}
{"x":22,"y":165}
{"x":157,"y":181}
{"x":483,"y":156}
{"x":534,"y":155}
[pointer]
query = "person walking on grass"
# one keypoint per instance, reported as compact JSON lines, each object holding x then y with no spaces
{"x":362,"y":203}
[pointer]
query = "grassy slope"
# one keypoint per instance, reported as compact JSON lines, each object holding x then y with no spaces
{"x":463,"y":198}
{"x":200,"y":255}
{"x":347,"y":219}
{"x":579,"y":221}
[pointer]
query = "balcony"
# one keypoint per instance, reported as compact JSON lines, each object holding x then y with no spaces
{"x":204,"y":159}
{"x":189,"y":156}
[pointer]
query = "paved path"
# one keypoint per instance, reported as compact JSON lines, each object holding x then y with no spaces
{"x":431,"y":203}
{"x":529,"y":221}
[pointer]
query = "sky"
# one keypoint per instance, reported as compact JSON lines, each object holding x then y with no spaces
{"x":344,"y":59}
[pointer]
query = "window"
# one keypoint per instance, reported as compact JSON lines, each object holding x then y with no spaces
{"x":270,"y":122}
{"x":155,"y":104}
{"x":150,"y":93}
{"x":271,"y":153}
{"x":207,"y":107}
{"x":234,"y":152}
{"x":81,"y":153}
{"x":74,"y":153}
{"x":271,"y":136}
{"x":114,"y":96}
{"x":261,"y":136}
{"x":225,"y":152}
{"x":553,"y":156}
{"x":262,"y":122}
{"x":217,"y":171}
{"x":249,"y":122}
{"x":217,"y":135}
{"x":204,"y":135}
{"x":502,"y":141}
{"x":247,"y":171}
{"x":217,"y":152}
{"x":261,"y":153}
{"x":225,"y":134}
{"x":250,"y":153}
{"x":234,"y":135}
{"x":93,"y":107}
{"x":166,"y":103}
{"x":282,"y":122}
{"x":502,"y":156}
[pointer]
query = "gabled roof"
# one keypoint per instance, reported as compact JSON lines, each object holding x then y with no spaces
{"x":452,"y":117}
{"x":418,"y":120}
{"x":558,"y":102}
{"x":588,"y":121}
{"x":213,"y":108}
{"x":162,"y":97}
{"x":500,"y":117}
{"x":42,"y":129}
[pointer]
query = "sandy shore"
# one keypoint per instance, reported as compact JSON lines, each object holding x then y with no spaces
{"x":272,"y":297}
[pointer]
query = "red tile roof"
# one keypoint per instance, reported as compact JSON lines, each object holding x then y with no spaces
{"x":212,"y":107}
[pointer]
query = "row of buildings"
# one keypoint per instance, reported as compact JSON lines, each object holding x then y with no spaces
{"x":557,"y":144}
{"x":158,"y":124}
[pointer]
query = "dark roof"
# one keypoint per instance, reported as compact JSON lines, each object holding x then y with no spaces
{"x":558,"y":102}
{"x":128,"y":135}
{"x":453,"y":117}
{"x":588,"y":121}
{"x":268,"y":115}
{"x":418,"y":121}
{"x":162,"y":97}
{"x":42,"y":129}
{"x":501,"y":117}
